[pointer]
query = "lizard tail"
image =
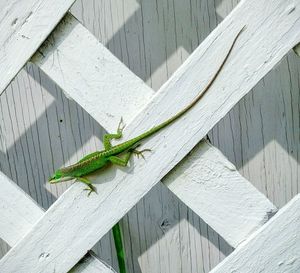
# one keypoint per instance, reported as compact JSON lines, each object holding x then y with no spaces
{"x":187,"y":108}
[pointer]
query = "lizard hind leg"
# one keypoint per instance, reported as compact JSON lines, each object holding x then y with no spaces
{"x":121,"y":161}
{"x":89,"y":184}
{"x":108,"y":137}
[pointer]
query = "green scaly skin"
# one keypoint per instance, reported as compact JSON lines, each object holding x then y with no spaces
{"x":121,"y":153}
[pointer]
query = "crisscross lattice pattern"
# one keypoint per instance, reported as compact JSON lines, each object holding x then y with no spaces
{"x":56,"y":239}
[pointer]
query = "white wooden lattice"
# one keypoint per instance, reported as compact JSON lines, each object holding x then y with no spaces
{"x":228,"y":202}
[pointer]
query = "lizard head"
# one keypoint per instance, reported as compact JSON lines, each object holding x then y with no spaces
{"x":59,"y":177}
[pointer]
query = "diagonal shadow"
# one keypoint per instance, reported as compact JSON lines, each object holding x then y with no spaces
{"x":63,"y":130}
{"x":168,"y":28}
{"x":45,"y":141}
{"x":265,"y":115}
{"x":161,"y":219}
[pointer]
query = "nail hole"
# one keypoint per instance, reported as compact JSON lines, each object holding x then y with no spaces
{"x":14,"y":21}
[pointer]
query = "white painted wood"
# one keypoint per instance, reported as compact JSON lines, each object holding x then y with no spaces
{"x":122,"y":190}
{"x":24,"y":26}
{"x":210,"y":185}
{"x":104,"y":83}
{"x":273,"y":248}
{"x":250,"y":210}
{"x":19,"y":213}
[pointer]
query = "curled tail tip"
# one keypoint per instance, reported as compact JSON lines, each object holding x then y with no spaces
{"x":242,"y":29}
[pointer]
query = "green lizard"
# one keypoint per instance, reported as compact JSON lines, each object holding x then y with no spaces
{"x":121,"y":153}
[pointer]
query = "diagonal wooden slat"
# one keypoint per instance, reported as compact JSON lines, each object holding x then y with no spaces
{"x":212,"y":187}
{"x":24,"y":26}
{"x":19,"y":213}
{"x":93,"y":92}
{"x":92,"y":77}
{"x":90,"y":218}
{"x":273,"y":248}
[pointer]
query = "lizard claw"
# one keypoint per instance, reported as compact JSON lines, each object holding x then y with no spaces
{"x":140,"y":153}
{"x":121,"y":126}
{"x":91,"y":189}
{"x":89,"y":185}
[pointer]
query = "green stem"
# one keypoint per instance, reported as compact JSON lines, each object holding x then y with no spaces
{"x":119,"y":247}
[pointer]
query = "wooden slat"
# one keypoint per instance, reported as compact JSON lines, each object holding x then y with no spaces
{"x":24,"y":26}
{"x":273,"y":248}
{"x":212,"y":187}
{"x":93,"y":77}
{"x":74,"y":216}
{"x":19,"y":213}
{"x":250,"y":211}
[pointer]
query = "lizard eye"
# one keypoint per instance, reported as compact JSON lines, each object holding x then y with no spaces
{"x":56,"y":176}
{"x":51,"y":178}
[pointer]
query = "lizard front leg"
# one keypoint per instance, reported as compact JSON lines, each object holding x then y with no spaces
{"x":87,"y":182}
{"x":108,"y":137}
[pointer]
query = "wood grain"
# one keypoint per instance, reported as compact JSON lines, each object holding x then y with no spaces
{"x":273,"y":248}
{"x":24,"y":26}
{"x":87,"y":75}
{"x":210,"y":185}
{"x":19,"y":213}
{"x":185,"y":140}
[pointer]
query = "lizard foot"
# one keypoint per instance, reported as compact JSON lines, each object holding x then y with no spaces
{"x":89,"y":184}
{"x":121,"y":126}
{"x":140,"y":153}
{"x":91,"y":189}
